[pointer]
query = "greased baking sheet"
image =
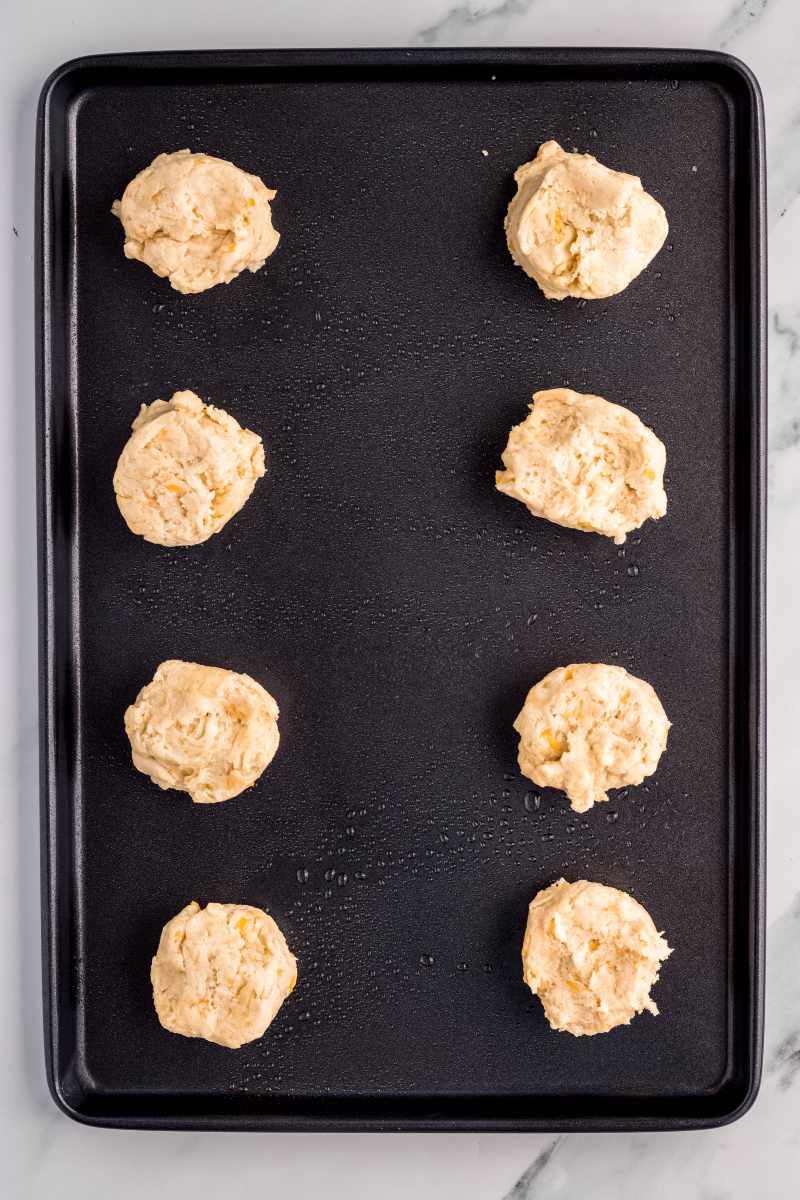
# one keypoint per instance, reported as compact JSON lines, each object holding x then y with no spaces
{"x":395,"y":604}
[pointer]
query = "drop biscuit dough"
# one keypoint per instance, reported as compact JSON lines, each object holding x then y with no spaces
{"x":197,"y":220}
{"x":202,"y":730}
{"x":221,"y":973}
{"x":589,"y":727}
{"x":580,"y":229}
{"x":584,"y":463}
{"x":186,"y":469}
{"x":591,"y":954}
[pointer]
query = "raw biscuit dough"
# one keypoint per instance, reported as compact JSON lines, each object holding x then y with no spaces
{"x":584,"y":463}
{"x":186,"y":469}
{"x":202,"y":730}
{"x":221,"y":973}
{"x":591,"y":954}
{"x":589,"y":727}
{"x":580,"y":229}
{"x":197,"y":220}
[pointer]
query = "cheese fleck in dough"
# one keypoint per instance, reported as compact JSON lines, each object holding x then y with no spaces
{"x":221,"y":973}
{"x":202,"y":730}
{"x":584,"y":463}
{"x":589,"y":727}
{"x":185,"y":471}
{"x":580,"y":229}
{"x":197,"y":220}
{"x":591,"y":954}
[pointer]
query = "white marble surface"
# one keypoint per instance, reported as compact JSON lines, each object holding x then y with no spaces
{"x":41,"y":1152}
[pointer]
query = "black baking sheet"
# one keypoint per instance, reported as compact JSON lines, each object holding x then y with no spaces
{"x":396,"y":605}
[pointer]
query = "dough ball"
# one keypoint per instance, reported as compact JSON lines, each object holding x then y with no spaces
{"x":589,"y":727}
{"x":591,"y":954}
{"x":221,"y":973}
{"x":585,"y":463}
{"x":197,"y":220}
{"x":186,"y":470}
{"x":580,"y":229}
{"x":202,"y":730}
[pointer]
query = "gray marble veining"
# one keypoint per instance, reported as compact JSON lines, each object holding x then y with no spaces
{"x":450,"y":28}
{"x":739,"y":20}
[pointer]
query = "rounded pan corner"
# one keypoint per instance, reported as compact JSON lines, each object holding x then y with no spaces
{"x":742,"y":1099}
{"x":61,"y":74}
{"x":67,"y":80}
{"x":73,"y":1091}
{"x":739,"y":75}
{"x":70,"y":1107}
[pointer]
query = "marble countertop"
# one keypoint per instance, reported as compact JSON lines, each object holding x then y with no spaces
{"x":41,"y":1152}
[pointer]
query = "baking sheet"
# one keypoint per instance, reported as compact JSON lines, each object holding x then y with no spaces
{"x":394,"y":603}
